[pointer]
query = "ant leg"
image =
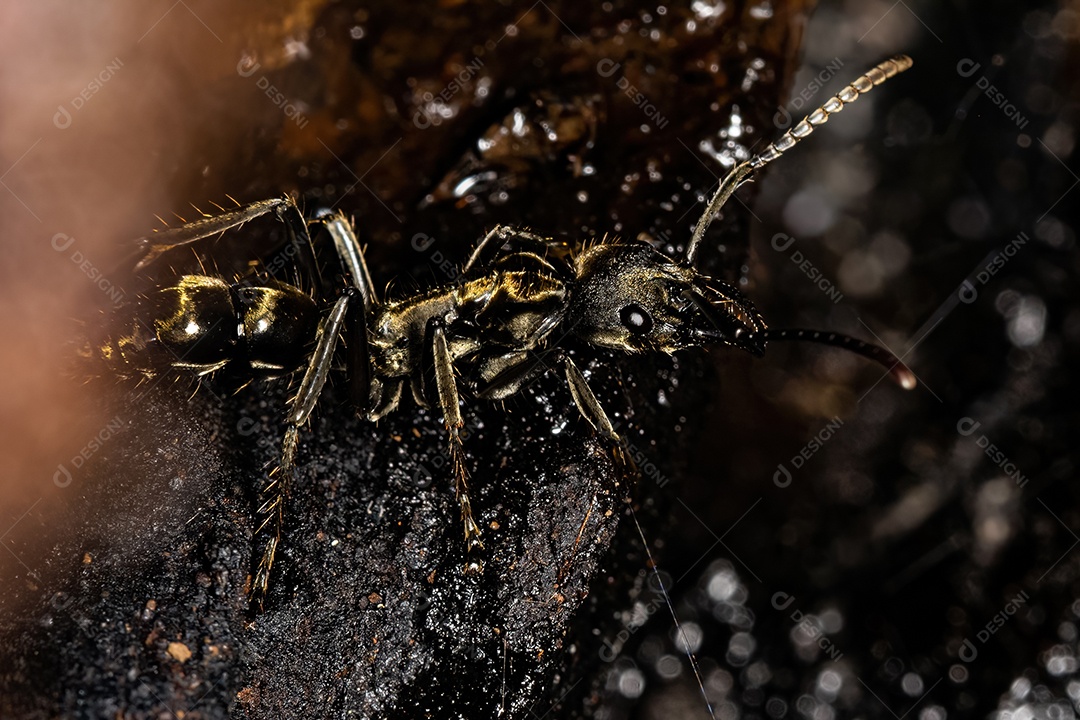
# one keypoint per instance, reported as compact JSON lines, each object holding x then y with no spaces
{"x":350,"y":252}
{"x":300,"y":408}
{"x":504,"y":375}
{"x":504,"y":234}
{"x":509,"y":373}
{"x":500,"y":233}
{"x":590,"y":407}
{"x":365,"y":393}
{"x":447,"y":399}
{"x":160,"y":242}
{"x":308,"y":270}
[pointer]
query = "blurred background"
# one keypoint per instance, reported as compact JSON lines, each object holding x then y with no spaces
{"x":834,"y":546}
{"x":932,"y":534}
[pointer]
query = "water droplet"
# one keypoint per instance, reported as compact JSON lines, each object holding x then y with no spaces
{"x":631,"y":683}
{"x":689,"y":636}
{"x":830,"y":682}
{"x":912,"y":684}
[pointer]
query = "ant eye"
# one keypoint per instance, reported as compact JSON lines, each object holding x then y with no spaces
{"x":636,"y":319}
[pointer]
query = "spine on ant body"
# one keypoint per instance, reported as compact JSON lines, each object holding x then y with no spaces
{"x":203,"y":323}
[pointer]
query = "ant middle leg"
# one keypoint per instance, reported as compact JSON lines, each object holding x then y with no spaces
{"x":365,"y":390}
{"x":519,"y":241}
{"x":446,"y":397}
{"x":349,"y":252}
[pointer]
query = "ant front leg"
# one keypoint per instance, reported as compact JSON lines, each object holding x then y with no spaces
{"x":508,"y":374}
{"x":591,"y":409}
{"x":504,"y":375}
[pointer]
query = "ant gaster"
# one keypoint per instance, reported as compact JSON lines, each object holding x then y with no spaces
{"x":496,"y":328}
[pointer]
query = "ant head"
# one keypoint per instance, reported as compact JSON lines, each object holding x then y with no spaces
{"x":631,"y":297}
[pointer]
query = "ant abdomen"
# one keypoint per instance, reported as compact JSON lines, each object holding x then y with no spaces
{"x":203,"y":323}
{"x":193,"y":320}
{"x":278,"y":323}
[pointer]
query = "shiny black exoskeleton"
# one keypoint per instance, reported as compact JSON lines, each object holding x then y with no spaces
{"x":202,"y":323}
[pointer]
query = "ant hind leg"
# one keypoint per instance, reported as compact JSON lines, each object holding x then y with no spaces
{"x":155,"y":245}
{"x":348,"y":317}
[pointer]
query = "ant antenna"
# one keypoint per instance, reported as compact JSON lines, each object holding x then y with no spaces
{"x":667,"y":599}
{"x":741,"y":172}
{"x":898,"y":371}
{"x":755,"y":341}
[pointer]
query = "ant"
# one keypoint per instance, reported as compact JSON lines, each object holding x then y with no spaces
{"x":490,"y":333}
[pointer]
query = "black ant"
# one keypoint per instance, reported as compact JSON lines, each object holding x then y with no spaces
{"x":490,"y":333}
